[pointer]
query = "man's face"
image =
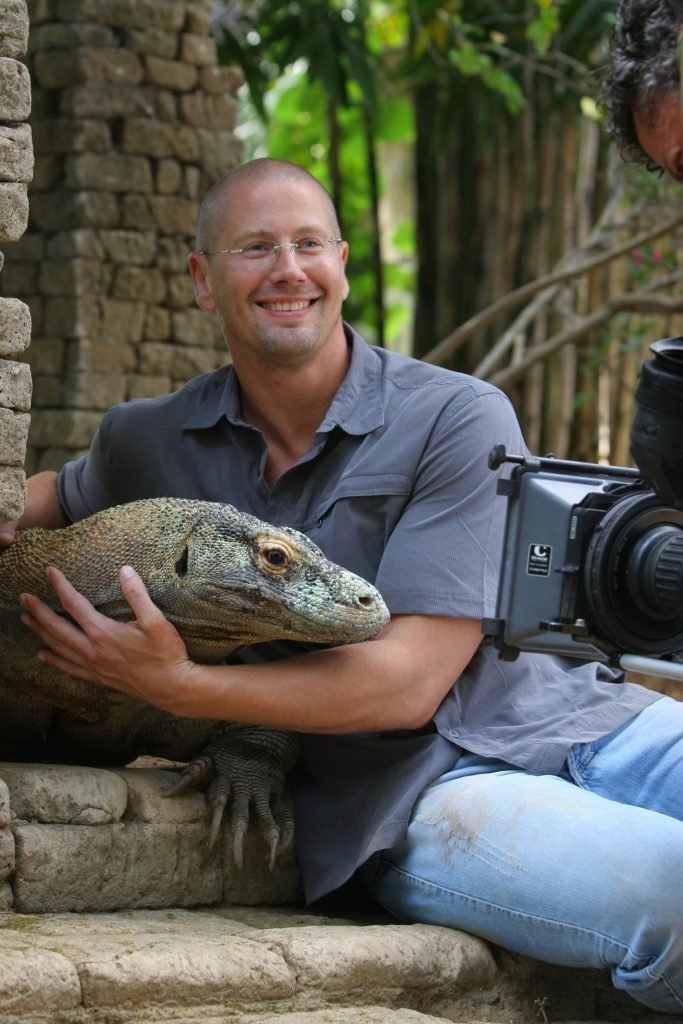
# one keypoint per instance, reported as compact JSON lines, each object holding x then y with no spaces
{"x":661,"y":136}
{"x":284,"y":308}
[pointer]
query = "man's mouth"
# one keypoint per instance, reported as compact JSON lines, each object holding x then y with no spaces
{"x":281,"y":306}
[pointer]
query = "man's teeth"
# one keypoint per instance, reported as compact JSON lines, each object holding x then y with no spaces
{"x":287,"y":307}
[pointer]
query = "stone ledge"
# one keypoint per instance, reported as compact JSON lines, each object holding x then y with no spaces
{"x":279,"y":966}
{"x":96,"y":839}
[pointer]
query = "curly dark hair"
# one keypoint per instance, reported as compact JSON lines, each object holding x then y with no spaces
{"x":642,"y":68}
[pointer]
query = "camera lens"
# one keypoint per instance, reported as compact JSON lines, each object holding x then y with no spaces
{"x":657,"y":429}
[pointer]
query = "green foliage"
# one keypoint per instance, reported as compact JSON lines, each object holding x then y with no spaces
{"x":354,"y":67}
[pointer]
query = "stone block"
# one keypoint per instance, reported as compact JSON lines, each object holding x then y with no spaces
{"x":48,"y":391}
{"x":173,"y":215}
{"x":66,"y":245}
{"x":155,"y":41}
{"x":172,"y":255}
{"x":109,"y":100}
{"x":208,"y":111}
{"x":169,"y":177}
{"x":30,"y":247}
{"x":13,"y":437}
{"x":72,"y":318}
{"x":219,"y":80}
{"x":56,"y":794}
{"x":6,"y":897}
{"x":12,"y":492}
{"x":157,"y":324}
{"x":5,"y":816}
{"x":193,"y":327}
{"x":75,"y":277}
{"x":72,"y":429}
{"x":197,"y":49}
{"x":163,"y":14}
{"x":68,"y":35}
{"x":47,"y":355}
{"x":180,"y":291}
{"x":62,"y":210}
{"x":20,"y":278}
{"x":15,"y":386}
{"x":171,"y":74}
{"x":219,"y":152}
{"x":16,"y":153}
{"x":191,"y":362}
{"x":7,"y":862}
{"x":37,"y":978}
{"x":147,"y":802}
{"x":13,"y":28}
{"x":93,"y":390}
{"x":74,"y":867}
{"x":136,"y":212}
{"x":13,"y":210}
{"x":141,"y":386}
{"x":122,"y":324}
{"x":147,"y":284}
{"x":156,"y":360}
{"x":15,"y":327}
{"x":59,"y":135}
{"x":97,"y":354}
{"x":55,"y":69}
{"x":15,"y":90}
{"x":113,"y":172}
{"x":134,"y":248}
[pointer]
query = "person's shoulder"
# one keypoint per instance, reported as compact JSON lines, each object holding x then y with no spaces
{"x":170,"y":407}
{"x":408,"y":373}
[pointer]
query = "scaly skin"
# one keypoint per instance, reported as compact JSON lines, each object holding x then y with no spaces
{"x":225,"y":580}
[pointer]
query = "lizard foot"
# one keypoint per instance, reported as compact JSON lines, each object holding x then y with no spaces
{"x":244,"y":768}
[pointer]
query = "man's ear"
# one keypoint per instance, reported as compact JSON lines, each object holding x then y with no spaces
{"x":199,"y":271}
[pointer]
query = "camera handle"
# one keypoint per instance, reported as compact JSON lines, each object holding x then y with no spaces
{"x":652,"y":667}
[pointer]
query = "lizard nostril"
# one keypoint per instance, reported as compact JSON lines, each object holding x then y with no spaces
{"x":366,"y":601}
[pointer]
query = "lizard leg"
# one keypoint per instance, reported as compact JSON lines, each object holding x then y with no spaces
{"x":245,"y":768}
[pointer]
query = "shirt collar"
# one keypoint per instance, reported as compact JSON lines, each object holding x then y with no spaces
{"x":356,"y":407}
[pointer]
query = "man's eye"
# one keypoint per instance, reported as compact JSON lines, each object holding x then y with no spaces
{"x":258,"y":248}
{"x":309,"y":244}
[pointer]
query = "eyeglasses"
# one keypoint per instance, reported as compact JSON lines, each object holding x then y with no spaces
{"x":268,"y":252}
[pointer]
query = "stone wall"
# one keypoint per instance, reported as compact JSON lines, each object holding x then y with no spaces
{"x":16,"y":166}
{"x":132,"y":120}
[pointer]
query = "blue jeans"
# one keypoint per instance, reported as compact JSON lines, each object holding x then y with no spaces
{"x":584,"y":868}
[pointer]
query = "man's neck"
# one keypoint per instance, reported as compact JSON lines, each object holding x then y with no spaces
{"x":288,"y":405}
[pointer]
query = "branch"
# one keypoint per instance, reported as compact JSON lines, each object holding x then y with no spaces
{"x":632,"y":302}
{"x":457,"y":338}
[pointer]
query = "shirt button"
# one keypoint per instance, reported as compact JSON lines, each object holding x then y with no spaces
{"x":454,"y":733}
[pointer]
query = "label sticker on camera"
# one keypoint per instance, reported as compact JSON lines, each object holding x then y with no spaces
{"x":538,"y":561}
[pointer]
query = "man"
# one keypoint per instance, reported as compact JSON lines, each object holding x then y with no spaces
{"x":642,"y":86}
{"x":535,"y":803}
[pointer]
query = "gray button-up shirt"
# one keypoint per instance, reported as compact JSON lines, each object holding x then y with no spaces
{"x":395,"y":487}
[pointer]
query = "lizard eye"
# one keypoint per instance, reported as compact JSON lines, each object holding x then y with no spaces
{"x":275,"y":557}
{"x":274,"y":554}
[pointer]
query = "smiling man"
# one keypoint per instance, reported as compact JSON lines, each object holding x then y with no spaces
{"x":642,"y":86}
{"x":533,"y":802}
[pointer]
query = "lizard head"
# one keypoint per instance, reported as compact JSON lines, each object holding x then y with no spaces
{"x":239,"y":580}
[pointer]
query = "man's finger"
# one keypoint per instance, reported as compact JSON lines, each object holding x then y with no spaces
{"x":146,"y":613}
{"x":77,"y":606}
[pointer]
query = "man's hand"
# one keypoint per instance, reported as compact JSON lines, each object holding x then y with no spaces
{"x":139,"y":658}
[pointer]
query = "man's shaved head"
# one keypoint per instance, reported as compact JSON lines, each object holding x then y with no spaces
{"x":264,"y":170}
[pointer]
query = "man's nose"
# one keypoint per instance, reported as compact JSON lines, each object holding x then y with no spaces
{"x":287,"y":261}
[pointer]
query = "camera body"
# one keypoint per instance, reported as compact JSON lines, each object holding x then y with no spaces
{"x":593,"y":555}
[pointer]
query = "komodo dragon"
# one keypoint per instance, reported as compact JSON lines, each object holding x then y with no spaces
{"x":225,"y":580}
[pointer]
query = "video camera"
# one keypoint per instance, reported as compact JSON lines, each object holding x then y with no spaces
{"x":593,"y":555}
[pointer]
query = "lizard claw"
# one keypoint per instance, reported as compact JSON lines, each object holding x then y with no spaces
{"x":193,"y":775}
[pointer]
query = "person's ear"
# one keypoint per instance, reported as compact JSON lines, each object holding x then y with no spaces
{"x":200,"y":272}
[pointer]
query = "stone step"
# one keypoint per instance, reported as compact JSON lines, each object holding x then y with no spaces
{"x":113,"y":910}
{"x":261,"y":966}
